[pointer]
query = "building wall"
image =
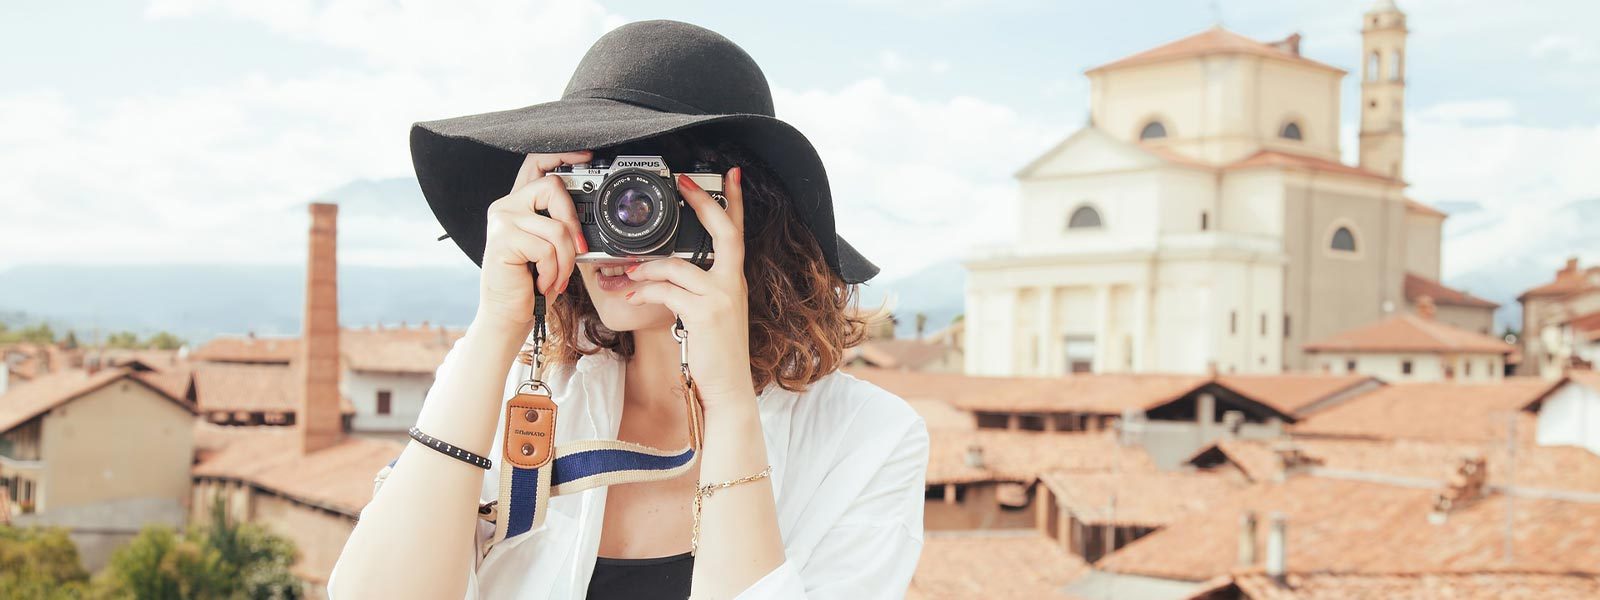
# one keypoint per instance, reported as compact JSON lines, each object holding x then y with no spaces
{"x":120,"y":442}
{"x":1328,"y":291}
{"x":1424,"y":366}
{"x":318,"y":535}
{"x":1570,"y":416}
{"x":1470,"y":318}
{"x":407,"y":391}
{"x":1423,"y":241}
{"x":977,"y":509}
{"x":1538,"y":314}
{"x":1221,"y":108}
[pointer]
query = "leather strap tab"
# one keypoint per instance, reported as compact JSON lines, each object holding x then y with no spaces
{"x":530,"y":431}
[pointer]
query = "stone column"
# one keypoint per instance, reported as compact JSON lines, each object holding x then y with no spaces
{"x":1102,"y":332}
{"x":1047,"y":331}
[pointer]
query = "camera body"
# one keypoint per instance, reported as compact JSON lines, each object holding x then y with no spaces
{"x":629,"y":208}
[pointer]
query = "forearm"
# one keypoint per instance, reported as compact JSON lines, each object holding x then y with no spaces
{"x":413,"y":537}
{"x":739,"y":537}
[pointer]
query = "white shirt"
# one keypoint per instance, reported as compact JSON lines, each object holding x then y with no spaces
{"x":849,"y":463}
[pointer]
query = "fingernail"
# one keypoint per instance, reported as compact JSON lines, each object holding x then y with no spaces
{"x":564,"y":285}
{"x":631,"y":267}
{"x":583,"y":245}
{"x":628,"y":296}
{"x":685,"y":181}
{"x":735,"y":175}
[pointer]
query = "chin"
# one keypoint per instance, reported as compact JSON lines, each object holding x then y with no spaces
{"x":617,"y":314}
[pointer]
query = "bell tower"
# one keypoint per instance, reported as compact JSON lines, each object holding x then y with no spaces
{"x":1383,"y":89}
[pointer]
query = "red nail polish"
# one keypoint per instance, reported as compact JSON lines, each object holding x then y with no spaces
{"x":685,"y":181}
{"x":631,"y":267}
{"x":628,"y":296}
{"x":735,"y":176}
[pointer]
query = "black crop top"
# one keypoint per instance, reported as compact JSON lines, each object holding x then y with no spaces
{"x":661,"y":578}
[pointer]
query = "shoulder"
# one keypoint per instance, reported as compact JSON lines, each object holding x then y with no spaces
{"x":859,"y":413}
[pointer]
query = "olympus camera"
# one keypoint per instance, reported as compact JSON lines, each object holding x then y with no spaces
{"x":629,"y":208}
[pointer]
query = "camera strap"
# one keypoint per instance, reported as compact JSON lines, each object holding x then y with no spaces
{"x":533,"y":468}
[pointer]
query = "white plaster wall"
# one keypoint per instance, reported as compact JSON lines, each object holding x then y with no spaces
{"x":1570,"y":416}
{"x":406,"y":393}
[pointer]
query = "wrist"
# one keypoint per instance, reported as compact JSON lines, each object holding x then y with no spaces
{"x":489,"y":326}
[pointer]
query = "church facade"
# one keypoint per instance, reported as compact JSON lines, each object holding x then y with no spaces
{"x":1203,"y":219}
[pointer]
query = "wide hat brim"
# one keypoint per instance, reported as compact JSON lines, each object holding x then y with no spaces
{"x":464,"y":164}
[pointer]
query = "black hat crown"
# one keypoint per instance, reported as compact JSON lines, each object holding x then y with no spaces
{"x":645,"y":63}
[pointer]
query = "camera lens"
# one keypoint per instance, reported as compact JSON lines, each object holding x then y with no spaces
{"x":632,"y":207}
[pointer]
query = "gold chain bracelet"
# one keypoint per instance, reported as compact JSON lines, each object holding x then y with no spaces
{"x":705,"y":491}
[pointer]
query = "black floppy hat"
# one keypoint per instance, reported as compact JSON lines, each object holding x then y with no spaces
{"x":639,"y":81}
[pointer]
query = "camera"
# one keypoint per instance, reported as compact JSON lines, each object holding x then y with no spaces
{"x":629,"y":208}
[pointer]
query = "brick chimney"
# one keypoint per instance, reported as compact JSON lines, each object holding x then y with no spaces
{"x":319,"y":420}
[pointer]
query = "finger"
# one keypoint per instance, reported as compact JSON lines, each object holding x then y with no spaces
{"x":554,"y":232}
{"x":535,"y":166}
{"x":523,"y":249}
{"x":678,"y":300}
{"x":676,"y":271}
{"x":726,"y":241}
{"x":550,"y":194}
{"x":733,"y":190}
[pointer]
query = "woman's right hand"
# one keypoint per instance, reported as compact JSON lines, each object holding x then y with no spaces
{"x":517,"y":236}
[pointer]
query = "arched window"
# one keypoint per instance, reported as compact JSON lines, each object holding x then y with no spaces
{"x":1153,"y":130}
{"x":1372,"y":66}
{"x":1084,"y":217}
{"x":1343,"y":240}
{"x":1291,"y":131}
{"x":1394,"y":65}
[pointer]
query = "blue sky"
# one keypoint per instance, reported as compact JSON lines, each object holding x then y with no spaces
{"x":195,"y":130}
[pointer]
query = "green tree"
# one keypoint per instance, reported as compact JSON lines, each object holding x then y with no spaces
{"x":122,"y":339}
{"x":39,"y":333}
{"x":40,"y":563}
{"x":222,"y":559}
{"x":163,"y":340}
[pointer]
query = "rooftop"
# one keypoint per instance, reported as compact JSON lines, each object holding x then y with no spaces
{"x":24,"y":402}
{"x":1021,"y":456}
{"x":1433,"y":411}
{"x":337,"y":478}
{"x":1215,"y":40}
{"x":1295,"y":393}
{"x":1483,"y":585}
{"x":1145,"y":499}
{"x":1417,"y":286}
{"x":991,"y":564}
{"x":1410,"y":333}
{"x":1278,"y":158}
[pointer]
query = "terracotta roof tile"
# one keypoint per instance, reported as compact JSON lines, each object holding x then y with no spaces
{"x":1487,"y":585}
{"x":1144,"y":499}
{"x":1256,"y":460}
{"x":1215,"y":40}
{"x":898,"y":354}
{"x":1364,"y":527}
{"x":243,"y":387}
{"x":1276,"y":158}
{"x":1569,"y":280}
{"x":338,"y":478}
{"x":1410,"y":333}
{"x":1084,"y":393}
{"x":1020,"y":456}
{"x":248,"y":349}
{"x":1292,"y":393}
{"x":24,"y":402}
{"x":1417,"y":286}
{"x":992,"y":564}
{"x":1433,"y":411}
{"x":1586,"y":325}
{"x":1423,"y":209}
{"x":388,"y":350}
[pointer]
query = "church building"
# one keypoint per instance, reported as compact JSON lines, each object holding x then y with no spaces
{"x":1203,"y":219}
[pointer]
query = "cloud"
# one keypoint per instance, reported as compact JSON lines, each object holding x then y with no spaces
{"x":1568,"y":48}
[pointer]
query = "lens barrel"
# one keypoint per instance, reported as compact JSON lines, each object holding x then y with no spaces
{"x":636,"y":211}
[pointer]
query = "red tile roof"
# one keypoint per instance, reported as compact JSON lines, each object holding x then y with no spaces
{"x":1586,"y":326}
{"x":1350,"y":526}
{"x":992,"y":564}
{"x":1215,"y":40}
{"x":387,"y":350}
{"x":245,"y":387}
{"x":24,"y":402}
{"x":1482,"y":585}
{"x":1083,"y":393}
{"x":337,"y":478}
{"x":1569,"y":280}
{"x":1417,"y":286}
{"x":249,"y":349}
{"x":1410,"y":333}
{"x":1276,"y":158}
{"x":1256,"y":460}
{"x":898,"y":354}
{"x":1434,"y":411}
{"x":1020,"y":456}
{"x":1292,"y":393}
{"x":1423,"y":209}
{"x":1144,"y":499}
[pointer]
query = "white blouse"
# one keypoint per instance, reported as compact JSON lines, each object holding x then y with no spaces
{"x":849,"y":463}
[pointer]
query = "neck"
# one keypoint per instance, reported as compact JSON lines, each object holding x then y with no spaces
{"x":653,"y":370}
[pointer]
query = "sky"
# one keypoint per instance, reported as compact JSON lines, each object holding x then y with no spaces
{"x":194,"y":131}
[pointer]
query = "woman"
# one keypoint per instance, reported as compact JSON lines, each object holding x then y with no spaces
{"x":815,"y":477}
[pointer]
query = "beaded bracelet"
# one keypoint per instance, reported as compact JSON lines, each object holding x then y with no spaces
{"x":448,"y":450}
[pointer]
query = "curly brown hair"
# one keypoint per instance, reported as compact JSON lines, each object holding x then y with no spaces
{"x":802,"y":315}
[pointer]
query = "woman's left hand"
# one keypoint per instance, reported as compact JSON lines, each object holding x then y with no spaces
{"x":714,"y":303}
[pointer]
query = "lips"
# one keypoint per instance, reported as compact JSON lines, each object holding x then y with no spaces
{"x":611,"y":278}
